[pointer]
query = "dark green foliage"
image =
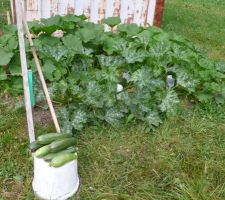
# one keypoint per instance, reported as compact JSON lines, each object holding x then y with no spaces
{"x":85,"y":66}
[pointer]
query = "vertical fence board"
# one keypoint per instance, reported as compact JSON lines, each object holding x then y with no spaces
{"x":123,"y":10}
{"x":94,"y":11}
{"x":33,"y":8}
{"x":101,"y":10}
{"x":54,"y":7}
{"x":109,"y":8}
{"x":71,"y":7}
{"x":137,"y":11}
{"x":145,"y":12}
{"x":78,"y":7}
{"x":131,"y":12}
{"x":86,"y":8}
{"x":151,"y":10}
{"x":62,"y":7}
{"x":46,"y":9}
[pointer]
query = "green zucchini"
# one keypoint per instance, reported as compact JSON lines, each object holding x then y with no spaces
{"x":43,"y":151}
{"x":33,"y":146}
{"x":62,"y":144}
{"x":50,"y":137}
{"x":50,"y":156}
{"x":62,"y":159}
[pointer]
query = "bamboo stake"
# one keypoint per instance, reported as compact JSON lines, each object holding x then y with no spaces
{"x":8,"y":17}
{"x":24,"y":72}
{"x":12,"y":11}
{"x":41,"y":75}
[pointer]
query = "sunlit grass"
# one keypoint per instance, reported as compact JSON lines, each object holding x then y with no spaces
{"x":201,"y":21}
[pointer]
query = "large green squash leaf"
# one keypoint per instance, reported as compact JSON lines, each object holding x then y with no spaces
{"x":74,"y":43}
{"x":112,"y":21}
{"x":5,"y":56}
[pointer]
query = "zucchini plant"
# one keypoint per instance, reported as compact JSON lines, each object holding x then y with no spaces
{"x":85,"y":65}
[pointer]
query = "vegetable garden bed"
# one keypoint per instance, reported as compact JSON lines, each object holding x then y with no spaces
{"x":84,"y":65}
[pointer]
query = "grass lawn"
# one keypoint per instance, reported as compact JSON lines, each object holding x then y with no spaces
{"x":201,"y":21}
{"x":184,"y":159}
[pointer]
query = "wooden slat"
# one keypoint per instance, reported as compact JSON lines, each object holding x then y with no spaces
{"x":46,"y":9}
{"x":123,"y":10}
{"x":137,"y":12}
{"x":94,"y":11}
{"x":54,"y":7}
{"x":78,"y":7}
{"x":62,"y":7}
{"x":33,"y":8}
{"x":109,"y":8}
{"x":24,"y":72}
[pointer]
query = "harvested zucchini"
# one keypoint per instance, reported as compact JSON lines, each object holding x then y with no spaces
{"x":50,"y":156}
{"x":62,"y":159}
{"x":50,"y":137}
{"x":33,"y":146}
{"x":43,"y":151}
{"x":62,"y":144}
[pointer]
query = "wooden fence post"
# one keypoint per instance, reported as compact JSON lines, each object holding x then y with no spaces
{"x":24,"y":71}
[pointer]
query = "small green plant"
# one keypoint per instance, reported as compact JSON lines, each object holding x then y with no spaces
{"x":85,"y":66}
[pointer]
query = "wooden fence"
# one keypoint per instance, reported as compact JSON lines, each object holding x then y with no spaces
{"x":141,"y":12}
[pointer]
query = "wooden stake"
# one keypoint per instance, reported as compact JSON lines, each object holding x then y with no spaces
{"x":12,"y":11}
{"x":24,"y":72}
{"x":8,"y":17}
{"x":50,"y":105}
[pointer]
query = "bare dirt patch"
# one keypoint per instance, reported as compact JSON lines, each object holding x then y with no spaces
{"x":42,"y":117}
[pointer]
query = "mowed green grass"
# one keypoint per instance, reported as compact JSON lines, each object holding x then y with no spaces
{"x":184,"y":159}
{"x":201,"y":21}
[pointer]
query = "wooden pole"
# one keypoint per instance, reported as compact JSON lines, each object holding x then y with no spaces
{"x":8,"y":18}
{"x":12,"y":11}
{"x":24,"y":72}
{"x":41,"y":75}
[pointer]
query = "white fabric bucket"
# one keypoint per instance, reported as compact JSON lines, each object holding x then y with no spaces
{"x":51,"y":183}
